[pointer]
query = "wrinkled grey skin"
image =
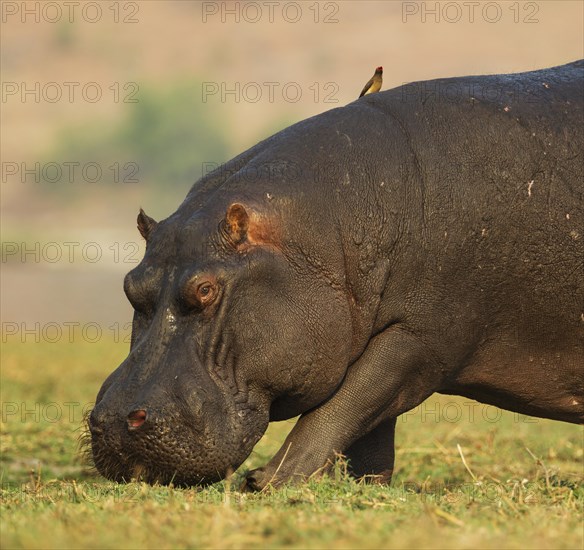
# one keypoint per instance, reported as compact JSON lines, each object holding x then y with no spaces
{"x":347,"y":268}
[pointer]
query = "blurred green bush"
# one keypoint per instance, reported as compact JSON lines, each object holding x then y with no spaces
{"x":167,"y":135}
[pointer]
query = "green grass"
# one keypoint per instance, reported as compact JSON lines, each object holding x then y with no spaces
{"x":522,"y":488}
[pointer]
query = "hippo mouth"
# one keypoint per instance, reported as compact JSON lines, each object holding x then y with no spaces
{"x":159,"y":454}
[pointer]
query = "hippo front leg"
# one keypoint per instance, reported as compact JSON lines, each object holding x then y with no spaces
{"x":395,"y":374}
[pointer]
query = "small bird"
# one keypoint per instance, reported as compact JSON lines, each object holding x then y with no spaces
{"x":374,"y":85}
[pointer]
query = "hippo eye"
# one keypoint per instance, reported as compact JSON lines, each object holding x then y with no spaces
{"x":199,"y":291}
{"x":206,"y":293}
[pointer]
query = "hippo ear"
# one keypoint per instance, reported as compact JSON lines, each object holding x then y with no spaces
{"x":145,"y":224}
{"x":236,"y":223}
{"x":245,"y":226}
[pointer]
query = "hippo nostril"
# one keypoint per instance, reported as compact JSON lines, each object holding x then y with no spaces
{"x":136,"y":418}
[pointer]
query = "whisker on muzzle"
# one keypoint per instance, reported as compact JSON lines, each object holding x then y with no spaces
{"x":84,"y":448}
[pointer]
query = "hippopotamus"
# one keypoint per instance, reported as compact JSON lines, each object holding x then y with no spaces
{"x":429,"y":238}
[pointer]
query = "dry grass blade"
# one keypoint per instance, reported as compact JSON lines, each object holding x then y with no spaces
{"x":269,"y":483}
{"x":539,"y":462}
{"x":448,"y":517}
{"x":464,"y":462}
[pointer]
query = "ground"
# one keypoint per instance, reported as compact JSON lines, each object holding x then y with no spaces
{"x":467,"y":476}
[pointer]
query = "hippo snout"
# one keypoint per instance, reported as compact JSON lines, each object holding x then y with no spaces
{"x":193,"y":439}
{"x":153,"y":446}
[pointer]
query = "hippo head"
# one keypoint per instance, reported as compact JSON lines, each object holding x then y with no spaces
{"x":232,"y":328}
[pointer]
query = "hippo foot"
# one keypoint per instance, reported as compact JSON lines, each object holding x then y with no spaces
{"x":255,"y":481}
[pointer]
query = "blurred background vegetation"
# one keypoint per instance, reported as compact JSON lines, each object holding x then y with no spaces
{"x":165,"y":138}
